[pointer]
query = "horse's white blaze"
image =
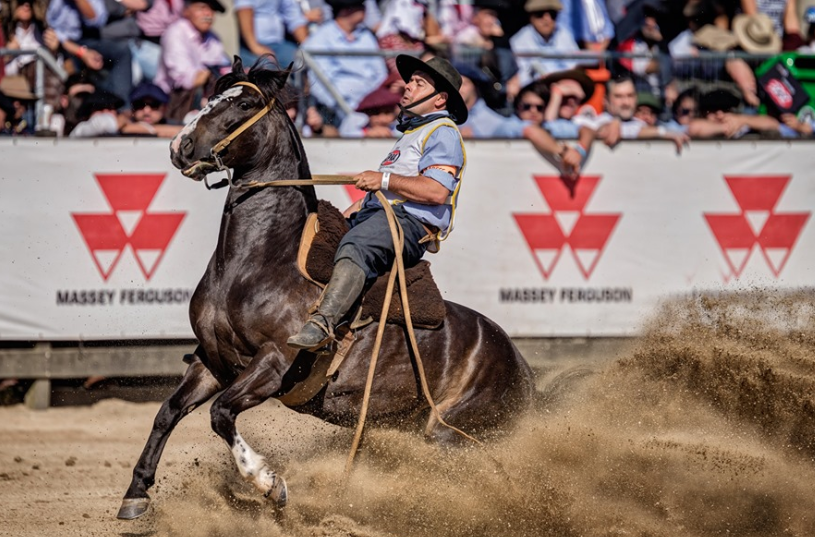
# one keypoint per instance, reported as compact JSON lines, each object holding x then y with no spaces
{"x":227,"y":95}
{"x":252,"y":465}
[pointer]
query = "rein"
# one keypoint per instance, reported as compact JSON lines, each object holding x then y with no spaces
{"x":398,"y":241}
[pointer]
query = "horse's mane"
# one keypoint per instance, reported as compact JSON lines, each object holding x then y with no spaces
{"x":267,"y":75}
{"x":264,"y":73}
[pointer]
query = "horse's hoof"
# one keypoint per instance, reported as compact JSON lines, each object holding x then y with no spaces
{"x":133,"y":508}
{"x":279,"y":493}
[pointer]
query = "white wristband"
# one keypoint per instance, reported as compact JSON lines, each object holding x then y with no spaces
{"x":386,"y":178}
{"x":662,"y":131}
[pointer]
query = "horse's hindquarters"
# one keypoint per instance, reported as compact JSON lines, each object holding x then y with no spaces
{"x":478,"y":379}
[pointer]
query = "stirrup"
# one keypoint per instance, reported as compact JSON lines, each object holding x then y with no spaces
{"x":296,"y":342}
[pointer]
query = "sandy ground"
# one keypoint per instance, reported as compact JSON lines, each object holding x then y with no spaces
{"x":707,"y":427}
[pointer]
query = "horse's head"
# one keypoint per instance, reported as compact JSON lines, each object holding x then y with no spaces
{"x":243,"y":110}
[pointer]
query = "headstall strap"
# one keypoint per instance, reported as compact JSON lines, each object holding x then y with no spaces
{"x":219,"y":148}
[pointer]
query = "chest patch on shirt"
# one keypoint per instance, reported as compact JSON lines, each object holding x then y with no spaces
{"x":392,"y":157}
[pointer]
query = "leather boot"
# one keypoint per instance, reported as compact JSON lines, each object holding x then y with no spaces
{"x":342,"y":291}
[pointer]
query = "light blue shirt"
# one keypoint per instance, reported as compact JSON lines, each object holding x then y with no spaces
{"x":443,"y":146}
{"x":562,"y":128}
{"x":588,"y":21}
{"x":270,"y":16}
{"x":528,"y":40}
{"x":353,"y":76}
{"x":373,"y":15}
{"x":66,"y":20}
{"x":487,"y":123}
{"x":674,"y":126}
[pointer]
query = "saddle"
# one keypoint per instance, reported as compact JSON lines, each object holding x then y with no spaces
{"x":318,"y":245}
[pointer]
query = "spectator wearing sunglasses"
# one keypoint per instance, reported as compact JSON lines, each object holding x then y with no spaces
{"x":531,"y":101}
{"x":147,"y":117}
{"x":542,"y":35}
{"x":569,"y":91}
{"x":533,"y":104}
{"x":684,"y":110}
{"x":484,"y":122}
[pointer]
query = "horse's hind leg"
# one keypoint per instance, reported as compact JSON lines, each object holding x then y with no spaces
{"x":196,"y":387}
{"x":253,"y":386}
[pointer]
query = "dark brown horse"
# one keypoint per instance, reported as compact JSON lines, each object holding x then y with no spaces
{"x":252,"y":298}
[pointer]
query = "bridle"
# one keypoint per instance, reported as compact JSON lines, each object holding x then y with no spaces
{"x":221,"y":146}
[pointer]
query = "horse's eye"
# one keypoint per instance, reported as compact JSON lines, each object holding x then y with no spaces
{"x":245,"y":106}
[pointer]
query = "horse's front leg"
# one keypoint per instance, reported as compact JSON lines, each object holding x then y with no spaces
{"x":259,"y":381}
{"x":197,"y":386}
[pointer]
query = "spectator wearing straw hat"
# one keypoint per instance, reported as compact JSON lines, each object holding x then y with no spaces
{"x":16,"y":106}
{"x":781,"y":16}
{"x":542,"y":34}
{"x":703,"y":35}
{"x":756,"y":34}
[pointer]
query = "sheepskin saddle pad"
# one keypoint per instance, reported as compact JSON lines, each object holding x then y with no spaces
{"x":321,"y":237}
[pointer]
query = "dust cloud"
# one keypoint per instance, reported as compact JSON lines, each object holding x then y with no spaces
{"x":705,"y":428}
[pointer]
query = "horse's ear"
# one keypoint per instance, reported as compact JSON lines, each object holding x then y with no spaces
{"x":289,"y":70}
{"x":237,"y":65}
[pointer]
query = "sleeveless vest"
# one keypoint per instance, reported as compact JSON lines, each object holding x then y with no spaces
{"x":404,"y":160}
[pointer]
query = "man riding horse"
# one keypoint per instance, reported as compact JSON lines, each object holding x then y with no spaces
{"x":420,"y":177}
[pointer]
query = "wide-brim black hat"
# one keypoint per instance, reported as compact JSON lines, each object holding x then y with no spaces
{"x":339,"y":4}
{"x":718,"y":100}
{"x":445,"y":77}
{"x":214,"y":4}
{"x":98,"y":101}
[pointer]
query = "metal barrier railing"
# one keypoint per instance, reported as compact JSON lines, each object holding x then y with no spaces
{"x":704,"y":67}
{"x":44,"y":59}
{"x":704,"y":59}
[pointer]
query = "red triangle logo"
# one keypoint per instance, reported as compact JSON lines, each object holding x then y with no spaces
{"x":756,"y":192}
{"x":587,"y":235}
{"x":736,"y":235}
{"x":105,"y":235}
{"x":589,"y":238}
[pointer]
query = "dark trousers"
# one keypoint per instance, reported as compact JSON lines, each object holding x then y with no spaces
{"x":369,"y":243}
{"x":118,"y":68}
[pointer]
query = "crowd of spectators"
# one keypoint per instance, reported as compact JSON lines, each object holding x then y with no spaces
{"x":144,"y":67}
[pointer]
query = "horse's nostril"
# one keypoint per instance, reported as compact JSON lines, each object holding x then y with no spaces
{"x":186,"y":147}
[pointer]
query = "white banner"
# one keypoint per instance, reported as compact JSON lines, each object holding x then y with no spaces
{"x":106,"y":240}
